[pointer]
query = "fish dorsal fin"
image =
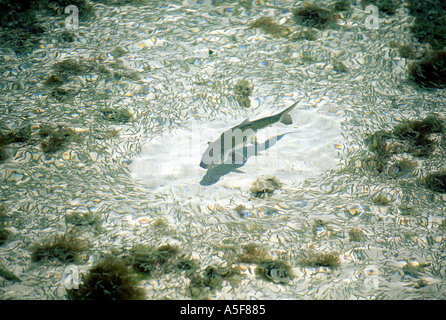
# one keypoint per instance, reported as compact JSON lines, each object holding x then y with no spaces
{"x":286,"y":119}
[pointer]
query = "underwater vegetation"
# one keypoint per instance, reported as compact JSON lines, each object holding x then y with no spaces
{"x":252,"y":253}
{"x":311,"y":15}
{"x":409,"y":52}
{"x":116,"y":114}
{"x":342,"y":5}
{"x":435,"y":181}
{"x":201,"y":285}
{"x":64,"y":247}
{"x":277,"y":271}
{"x":85,"y":219}
{"x":356,"y":235}
{"x":109,"y":279}
{"x":71,"y":66}
{"x":409,"y":136}
{"x":265,"y":186}
{"x":20,"y":24}
{"x":388,"y":7}
{"x":145,"y":258}
{"x":56,"y":138}
{"x":320,"y":259}
{"x":340,"y":67}
{"x":430,"y":25}
{"x":243,"y":87}
{"x":382,"y":199}
{"x":430,"y":72}
{"x":242,"y":90}
{"x":4,"y":234}
{"x":270,"y":26}
{"x":21,"y":134}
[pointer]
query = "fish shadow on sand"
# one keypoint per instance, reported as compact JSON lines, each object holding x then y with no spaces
{"x":213,"y":175}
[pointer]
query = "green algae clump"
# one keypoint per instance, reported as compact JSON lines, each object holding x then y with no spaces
{"x":265,"y":186}
{"x":21,"y":134}
{"x":56,"y":138}
{"x":120,"y":115}
{"x":252,"y":253}
{"x":277,"y":271}
{"x":320,"y":259}
{"x":430,"y":72}
{"x":211,"y":279}
{"x":63,"y":247}
{"x":435,"y":181}
{"x":311,"y":15}
{"x":270,"y":26}
{"x":109,"y":279}
{"x":146,"y":259}
{"x":4,"y":234}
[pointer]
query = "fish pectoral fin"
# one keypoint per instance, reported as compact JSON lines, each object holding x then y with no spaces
{"x":237,"y":157}
{"x":286,"y":119}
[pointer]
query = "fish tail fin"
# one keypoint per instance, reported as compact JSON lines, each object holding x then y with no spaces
{"x":285,"y":117}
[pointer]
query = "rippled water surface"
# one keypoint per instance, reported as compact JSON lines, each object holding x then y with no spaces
{"x":151,"y":82}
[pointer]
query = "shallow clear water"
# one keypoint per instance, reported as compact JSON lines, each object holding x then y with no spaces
{"x":174,"y":66}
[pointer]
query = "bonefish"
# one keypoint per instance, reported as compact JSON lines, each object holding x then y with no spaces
{"x":218,"y":152}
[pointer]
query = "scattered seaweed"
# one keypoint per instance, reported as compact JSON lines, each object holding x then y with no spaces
{"x":186,"y":264}
{"x":4,"y":234}
{"x":201,"y":285}
{"x":430,"y":72}
{"x":435,"y":181}
{"x":382,"y":199}
{"x":311,"y":15}
{"x":277,"y":271}
{"x":265,"y":186}
{"x":242,"y":91}
{"x":64,"y":247}
{"x":91,"y":219}
{"x":243,"y":87}
{"x":270,"y":26}
{"x":54,"y":80}
{"x":414,"y":269}
{"x":4,"y":155}
{"x":388,"y":7}
{"x":339,"y":66}
{"x":146,"y":259}
{"x":320,"y":259}
{"x":110,"y":279}
{"x":21,"y":134}
{"x":408,"y":52}
{"x":416,"y":129}
{"x":56,"y":138}
{"x":252,"y":253}
{"x":71,"y":66}
{"x":342,"y":5}
{"x":430,"y":25}
{"x":116,"y":114}
{"x":309,"y":34}
{"x":356,"y":235}
{"x":415,"y":137}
